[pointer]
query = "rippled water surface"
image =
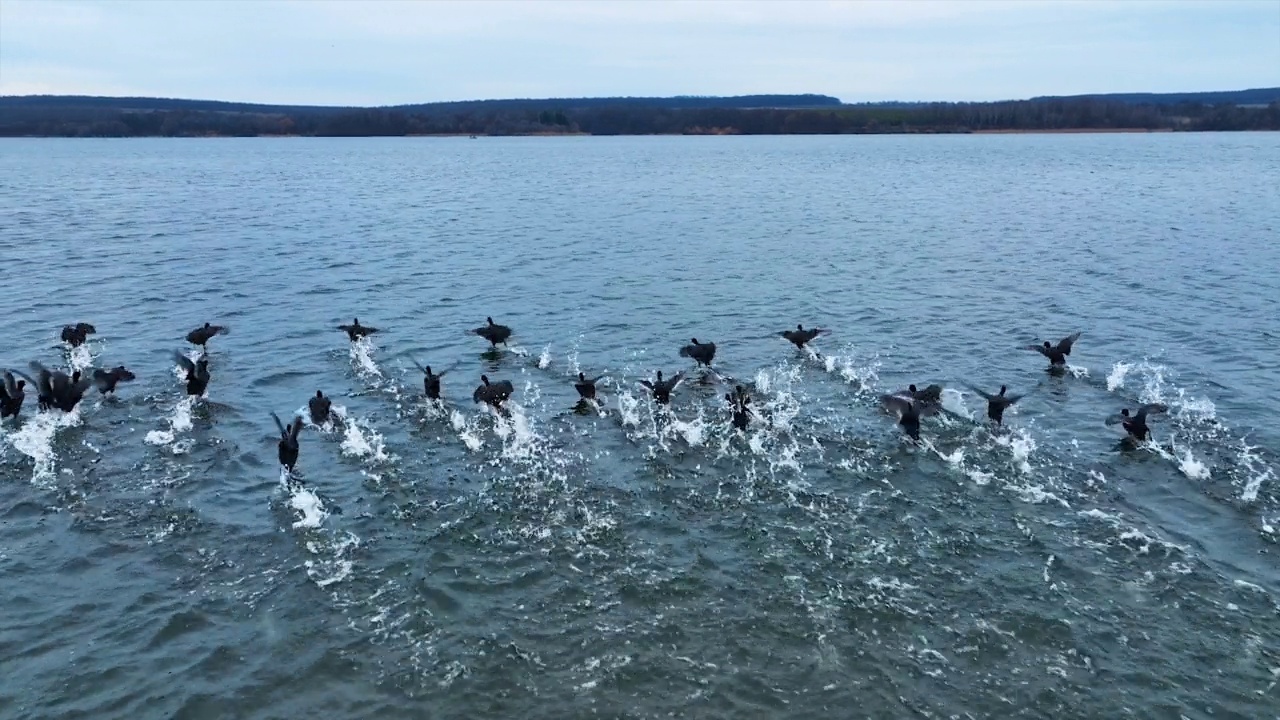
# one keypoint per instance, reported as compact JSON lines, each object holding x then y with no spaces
{"x":449,"y":561}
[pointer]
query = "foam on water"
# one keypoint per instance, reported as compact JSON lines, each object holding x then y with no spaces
{"x":306,"y":503}
{"x":468,"y":430}
{"x":544,"y":360}
{"x":1021,"y":445}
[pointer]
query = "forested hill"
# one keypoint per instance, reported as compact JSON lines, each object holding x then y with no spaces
{"x":84,"y":116}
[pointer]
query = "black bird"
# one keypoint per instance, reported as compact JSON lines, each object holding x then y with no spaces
{"x":587,"y":387}
{"x":800,"y":336}
{"x":288,"y":445}
{"x":1057,"y":354}
{"x":493,"y":332}
{"x":931,"y":394}
{"x":11,"y":395}
{"x":738,"y":401}
{"x":1136,"y":424}
{"x":662,"y":388}
{"x":909,"y":412}
{"x":197,"y":373}
{"x":355,"y":330}
{"x":702,"y":353}
{"x":106,"y":380}
{"x":998,"y":403}
{"x":318,"y":407}
{"x":76,"y":335}
{"x":58,"y":390}
{"x":492,"y":393}
{"x":202,"y":335}
{"x":430,"y":380}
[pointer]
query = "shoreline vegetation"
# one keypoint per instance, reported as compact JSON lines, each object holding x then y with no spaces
{"x":84,"y":116}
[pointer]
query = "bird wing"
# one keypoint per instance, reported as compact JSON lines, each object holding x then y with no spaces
{"x":479,"y":394}
{"x":279,"y":425}
{"x":184,"y":362}
{"x":418,"y":365}
{"x":676,"y":380}
{"x":1064,"y":345}
{"x":1040,"y":349}
{"x":446,"y":371}
{"x":896,"y":404}
{"x":1117,"y":419}
{"x":295,"y":428}
{"x":102,"y":379}
{"x":688,"y":350}
{"x":77,"y":389}
{"x":1152,"y":408}
{"x":1011,"y":399}
{"x":44,"y":378}
{"x":10,"y":386}
{"x":647,"y":384}
{"x":984,"y":394}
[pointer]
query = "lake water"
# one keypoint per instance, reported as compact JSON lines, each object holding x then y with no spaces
{"x":452,"y":562}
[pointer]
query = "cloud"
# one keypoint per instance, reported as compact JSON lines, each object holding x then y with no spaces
{"x":325,"y":52}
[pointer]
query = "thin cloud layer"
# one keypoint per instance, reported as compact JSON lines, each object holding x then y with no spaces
{"x":379,"y":53}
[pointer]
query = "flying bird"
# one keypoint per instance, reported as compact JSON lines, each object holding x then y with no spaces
{"x":1057,"y":354}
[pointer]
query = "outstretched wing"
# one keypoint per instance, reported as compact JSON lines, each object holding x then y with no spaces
{"x":1011,"y":399}
{"x":1064,"y":345}
{"x":1117,"y":419}
{"x":986,"y":395}
{"x":676,"y":379}
{"x":687,"y":351}
{"x":446,"y":371}
{"x":10,"y":386}
{"x":184,"y":362}
{"x":1040,"y":349}
{"x":647,"y":384}
{"x":279,"y":425}
{"x":102,"y":379}
{"x":896,"y":404}
{"x":295,"y":428}
{"x":1152,"y":408}
{"x":44,"y":378}
{"x":418,"y":365}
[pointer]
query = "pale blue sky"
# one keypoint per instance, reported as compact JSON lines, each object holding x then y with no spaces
{"x":377,"y":53}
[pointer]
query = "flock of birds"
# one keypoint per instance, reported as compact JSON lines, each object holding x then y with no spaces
{"x":56,"y":389}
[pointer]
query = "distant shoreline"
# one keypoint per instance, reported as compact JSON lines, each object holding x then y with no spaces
{"x":1077,"y":131}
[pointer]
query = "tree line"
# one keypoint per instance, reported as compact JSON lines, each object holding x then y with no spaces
{"x":538,"y":118}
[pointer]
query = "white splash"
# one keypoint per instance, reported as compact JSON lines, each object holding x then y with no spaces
{"x":468,"y":430}
{"x":80,"y":358}
{"x":362,"y":441}
{"x":309,"y":506}
{"x":361,"y":352}
{"x":1191,"y":467}
{"x":1115,"y":379}
{"x":1020,"y":445}
{"x":544,"y":360}
{"x":35,"y":440}
{"x":1256,"y":469}
{"x":179,"y":422}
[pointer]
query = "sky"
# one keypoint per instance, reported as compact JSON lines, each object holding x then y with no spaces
{"x":376,"y":52}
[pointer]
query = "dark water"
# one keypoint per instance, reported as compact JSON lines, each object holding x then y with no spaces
{"x":449,"y":562}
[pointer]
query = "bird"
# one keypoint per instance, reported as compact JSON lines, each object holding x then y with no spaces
{"x":800,"y":336}
{"x":662,"y":388}
{"x":197,"y":373}
{"x":586,"y":387}
{"x":12,"y":395}
{"x":106,"y":380}
{"x":76,"y":335}
{"x":288,"y":445}
{"x":202,"y":335}
{"x":430,"y":380}
{"x":58,"y":390}
{"x":1136,"y":424}
{"x":931,"y":394}
{"x":355,"y":330}
{"x":909,"y":412}
{"x":998,"y":403}
{"x":1057,"y":354}
{"x":702,"y":353}
{"x":738,"y":401}
{"x":318,"y":407}
{"x":493,"y":332}
{"x":492,"y":393}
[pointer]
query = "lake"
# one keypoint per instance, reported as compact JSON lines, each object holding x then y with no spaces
{"x":446,"y":560}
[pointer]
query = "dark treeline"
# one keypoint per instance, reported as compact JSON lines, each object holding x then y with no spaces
{"x":756,"y":115}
